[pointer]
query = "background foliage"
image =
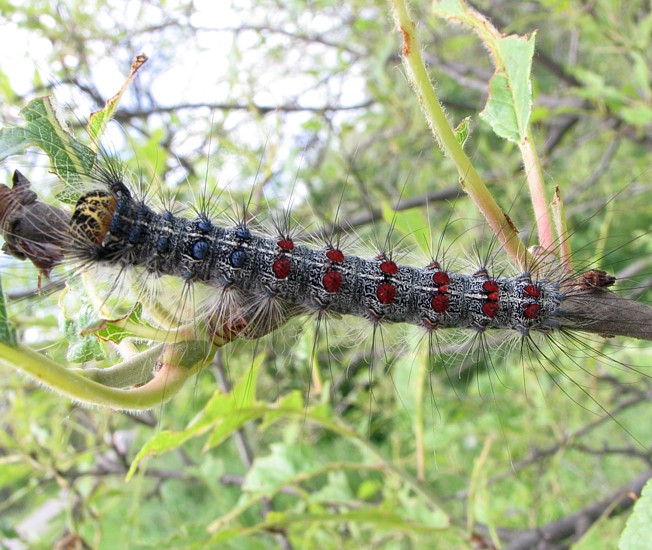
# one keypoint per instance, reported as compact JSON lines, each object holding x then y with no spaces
{"x":304,"y":103}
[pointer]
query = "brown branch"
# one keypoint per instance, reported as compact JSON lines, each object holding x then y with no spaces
{"x":574,"y":525}
{"x":600,"y":311}
{"x":124,"y":115}
{"x":365,"y":218}
{"x":539,"y":454}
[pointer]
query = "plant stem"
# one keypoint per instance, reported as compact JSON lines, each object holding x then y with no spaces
{"x":134,"y":371}
{"x":534,"y":174}
{"x":165,"y":384}
{"x":470,"y":180}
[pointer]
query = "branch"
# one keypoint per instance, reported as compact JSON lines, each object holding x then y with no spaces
{"x":600,"y":311}
{"x":578,"y":523}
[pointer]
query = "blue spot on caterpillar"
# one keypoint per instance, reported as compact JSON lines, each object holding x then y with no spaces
{"x":238,"y":258}
{"x":203,"y":224}
{"x":199,"y":250}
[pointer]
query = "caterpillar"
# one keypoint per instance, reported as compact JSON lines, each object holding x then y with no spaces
{"x":266,"y":280}
{"x":270,"y":279}
{"x":274,"y":273}
{"x":263,"y":281}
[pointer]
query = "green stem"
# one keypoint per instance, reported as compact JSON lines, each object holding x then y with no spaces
{"x":134,"y":371}
{"x":167,"y":382}
{"x":559,"y":216}
{"x":339,"y":428}
{"x":470,"y":180}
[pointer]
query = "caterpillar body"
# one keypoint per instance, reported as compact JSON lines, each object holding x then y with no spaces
{"x":266,"y":280}
{"x":111,"y":227}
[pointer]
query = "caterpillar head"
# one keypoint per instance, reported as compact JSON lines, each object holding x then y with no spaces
{"x":92,"y":217}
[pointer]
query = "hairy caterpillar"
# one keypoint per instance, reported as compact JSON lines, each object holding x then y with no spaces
{"x":262,"y":281}
{"x":270,"y":279}
{"x":272,"y":273}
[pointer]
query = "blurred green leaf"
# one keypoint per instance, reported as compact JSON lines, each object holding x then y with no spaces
{"x":271,"y":472}
{"x":7,"y":331}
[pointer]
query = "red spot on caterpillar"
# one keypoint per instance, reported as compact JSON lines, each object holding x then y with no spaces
{"x":286,"y":244}
{"x":440,"y":303}
{"x":335,"y":255}
{"x":443,"y":289}
{"x":490,"y":309}
{"x":531,"y":311}
{"x":332,"y":281}
{"x":386,"y":293}
{"x":441,"y":278}
{"x":531,"y":291}
{"x":282,"y":268}
{"x":389,"y":268}
{"x":491,"y":287}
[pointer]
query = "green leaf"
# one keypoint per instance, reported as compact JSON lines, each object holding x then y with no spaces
{"x":449,"y":8}
{"x":335,"y":489}
{"x":510,"y":91}
{"x":369,"y":489}
{"x":225,"y":412}
{"x":82,"y":347}
{"x":99,"y":119}
{"x":131,"y":325}
{"x":269,"y":473}
{"x":13,"y":141}
{"x":71,"y":160}
{"x":463,"y":130}
{"x":292,"y":401}
{"x":639,"y":115}
{"x":638,"y":531}
{"x":230,"y":423}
